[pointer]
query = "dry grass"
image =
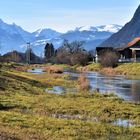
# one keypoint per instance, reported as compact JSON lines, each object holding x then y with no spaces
{"x":83,"y":83}
{"x":82,"y":69}
{"x":90,"y":67}
{"x":108,"y":71}
{"x":54,"y":69}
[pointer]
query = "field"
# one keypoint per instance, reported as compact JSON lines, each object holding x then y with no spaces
{"x":27,"y":112}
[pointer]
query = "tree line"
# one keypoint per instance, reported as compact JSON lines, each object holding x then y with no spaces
{"x":71,"y":53}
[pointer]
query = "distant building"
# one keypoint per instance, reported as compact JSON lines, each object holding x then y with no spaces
{"x":130,"y":52}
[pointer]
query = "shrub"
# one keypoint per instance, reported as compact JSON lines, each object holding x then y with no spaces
{"x":53,"y":69}
{"x":62,"y":58}
{"x":83,"y":83}
{"x":109,"y":59}
{"x":72,"y":54}
{"x":80,"y":58}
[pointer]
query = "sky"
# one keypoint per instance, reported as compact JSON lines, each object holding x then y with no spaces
{"x":63,"y":15}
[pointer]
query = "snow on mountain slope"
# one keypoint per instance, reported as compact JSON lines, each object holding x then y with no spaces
{"x":13,"y":37}
{"x":86,"y":28}
{"x":113,"y":28}
{"x":109,"y":28}
{"x":92,"y":36}
{"x":46,"y":33}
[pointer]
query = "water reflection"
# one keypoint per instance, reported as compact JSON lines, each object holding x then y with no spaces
{"x":127,"y":88}
{"x":36,"y":71}
{"x":60,"y":90}
{"x":125,"y":123}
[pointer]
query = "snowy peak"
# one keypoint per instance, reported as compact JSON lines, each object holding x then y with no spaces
{"x":46,"y":33}
{"x":112,"y":28}
{"x":109,"y":28}
{"x":86,"y":28}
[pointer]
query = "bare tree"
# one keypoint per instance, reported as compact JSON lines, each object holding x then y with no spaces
{"x":72,"y":53}
{"x":109,"y":58}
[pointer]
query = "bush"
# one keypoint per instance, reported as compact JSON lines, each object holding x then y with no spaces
{"x":62,"y":58}
{"x":54,"y":69}
{"x":109,"y":59}
{"x":72,"y":54}
{"x":83,"y":83}
{"x":80,"y":58}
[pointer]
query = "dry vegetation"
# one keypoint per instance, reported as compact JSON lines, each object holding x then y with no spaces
{"x":54,"y":69}
{"x":83,"y":83}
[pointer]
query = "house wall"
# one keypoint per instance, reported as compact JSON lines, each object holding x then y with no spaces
{"x":126,"y":53}
{"x":138,"y":53}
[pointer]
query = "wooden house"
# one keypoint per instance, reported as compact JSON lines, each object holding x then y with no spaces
{"x":130,"y":52}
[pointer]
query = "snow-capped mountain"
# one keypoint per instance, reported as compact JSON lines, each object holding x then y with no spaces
{"x":126,"y":34}
{"x":112,"y":28}
{"x":92,"y":36}
{"x":13,"y":37}
{"x":46,"y":33}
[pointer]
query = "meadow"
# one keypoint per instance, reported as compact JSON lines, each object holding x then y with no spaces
{"x":27,"y":112}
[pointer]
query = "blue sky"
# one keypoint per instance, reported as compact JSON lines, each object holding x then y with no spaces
{"x":63,"y":15}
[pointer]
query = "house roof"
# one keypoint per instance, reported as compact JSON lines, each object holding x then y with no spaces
{"x":130,"y":44}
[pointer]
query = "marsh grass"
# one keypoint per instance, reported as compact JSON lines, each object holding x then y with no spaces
{"x":54,"y":69}
{"x":90,"y":67}
{"x":83,"y":83}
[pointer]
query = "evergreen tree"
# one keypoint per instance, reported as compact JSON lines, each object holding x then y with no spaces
{"x":49,"y":51}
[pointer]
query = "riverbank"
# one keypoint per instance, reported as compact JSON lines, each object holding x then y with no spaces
{"x":121,"y":69}
{"x":28,"y":112}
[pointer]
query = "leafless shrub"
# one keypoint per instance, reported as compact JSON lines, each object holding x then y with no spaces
{"x":72,"y":53}
{"x":109,"y":59}
{"x":53,"y":69}
{"x":83,"y":83}
{"x":80,"y":58}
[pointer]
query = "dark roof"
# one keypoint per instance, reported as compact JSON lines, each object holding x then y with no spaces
{"x":130,"y":44}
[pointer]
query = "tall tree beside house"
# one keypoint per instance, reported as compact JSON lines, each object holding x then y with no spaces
{"x":49,"y":51}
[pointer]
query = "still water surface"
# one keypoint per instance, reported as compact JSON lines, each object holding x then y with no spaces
{"x":127,"y":88}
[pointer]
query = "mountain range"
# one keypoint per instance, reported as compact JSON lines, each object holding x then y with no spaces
{"x":126,"y":34}
{"x":13,"y":37}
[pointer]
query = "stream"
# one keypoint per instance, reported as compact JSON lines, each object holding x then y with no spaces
{"x":126,"y":88}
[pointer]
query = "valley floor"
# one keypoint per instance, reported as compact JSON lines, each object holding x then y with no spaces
{"x":27,"y":112}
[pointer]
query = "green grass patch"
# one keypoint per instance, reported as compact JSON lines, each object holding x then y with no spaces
{"x":27,"y":112}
